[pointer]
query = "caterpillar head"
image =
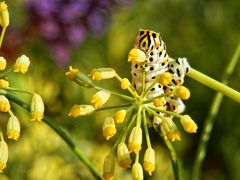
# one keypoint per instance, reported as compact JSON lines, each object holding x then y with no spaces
{"x":147,"y":40}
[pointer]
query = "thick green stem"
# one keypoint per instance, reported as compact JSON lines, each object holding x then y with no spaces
{"x":60,"y":132}
{"x":212,"y":83}
{"x":209,"y":122}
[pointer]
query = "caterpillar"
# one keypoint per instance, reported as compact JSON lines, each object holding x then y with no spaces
{"x":156,"y":62}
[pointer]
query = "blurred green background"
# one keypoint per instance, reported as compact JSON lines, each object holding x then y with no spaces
{"x":206,"y":32}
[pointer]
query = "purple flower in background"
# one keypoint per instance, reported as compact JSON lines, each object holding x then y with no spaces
{"x":64,"y":23}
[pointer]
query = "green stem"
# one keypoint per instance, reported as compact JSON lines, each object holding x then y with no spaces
{"x":61,"y":133}
{"x":5,"y":72}
{"x":143,"y":80}
{"x":114,"y":107}
{"x":166,"y":112}
{"x":144,"y":93}
{"x":217,"y":86}
{"x":2,"y":35}
{"x":19,"y":90}
{"x":159,"y":96}
{"x":115,"y":93}
{"x":122,"y":136}
{"x":209,"y":122}
{"x":174,"y":159}
{"x":146,"y":129}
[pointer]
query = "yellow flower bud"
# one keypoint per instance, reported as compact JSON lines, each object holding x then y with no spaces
{"x":137,"y":171}
{"x":81,"y":110}
{"x":37,"y":108}
{"x":159,"y":102}
{"x":149,"y":160}
{"x":71,"y":74}
{"x":3,"y":153}
{"x":125,"y":83}
{"x":102,"y":73}
{"x":120,"y":116}
{"x":4,"y":104}
{"x":100,"y":98}
{"x":109,"y":166}
{"x":136,"y":56}
{"x":188,"y":124}
{"x":164,"y":79}
{"x":3,"y":63}
{"x":123,"y":156}
{"x":13,"y":128}
{"x":4,"y":15}
{"x":135,"y":140}
{"x":4,"y":84}
{"x":21,"y":65}
{"x":169,"y":130}
{"x":109,"y":129}
{"x":182,"y":92}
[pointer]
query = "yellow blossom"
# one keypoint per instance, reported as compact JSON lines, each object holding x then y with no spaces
{"x":123,"y":156}
{"x":13,"y":128}
{"x":4,"y":104}
{"x":169,"y":130}
{"x":149,"y":160}
{"x":164,"y":79}
{"x":3,"y":63}
{"x":102,"y":73}
{"x":137,"y":171}
{"x":21,"y":65}
{"x":109,"y":129}
{"x":182,"y":92}
{"x":71,"y":74}
{"x":81,"y":110}
{"x":3,"y":153}
{"x":136,"y":56}
{"x":188,"y":124}
{"x":109,"y":166}
{"x":4,"y":15}
{"x":4,"y":84}
{"x":135,"y":140}
{"x":37,"y":108}
{"x":120,"y":116}
{"x":159,"y":102}
{"x":125,"y":83}
{"x":100,"y":98}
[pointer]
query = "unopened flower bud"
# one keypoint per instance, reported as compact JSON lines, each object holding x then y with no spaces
{"x":4,"y":104}
{"x":37,"y":108}
{"x":13,"y":128}
{"x":100,"y":98}
{"x":149,"y":160}
{"x":169,"y":130}
{"x":188,"y":124}
{"x":4,"y":15}
{"x":21,"y":65}
{"x":81,"y":110}
{"x":159,"y":102}
{"x":3,"y":63}
{"x":109,"y":129}
{"x":164,"y":79}
{"x":4,"y":84}
{"x":123,"y":156}
{"x":102,"y":73}
{"x":3,"y":153}
{"x":137,"y":171}
{"x":182,"y":92}
{"x":136,"y":56}
{"x":120,"y":116}
{"x":109,"y":166}
{"x":135,"y":140}
{"x":125,"y":83}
